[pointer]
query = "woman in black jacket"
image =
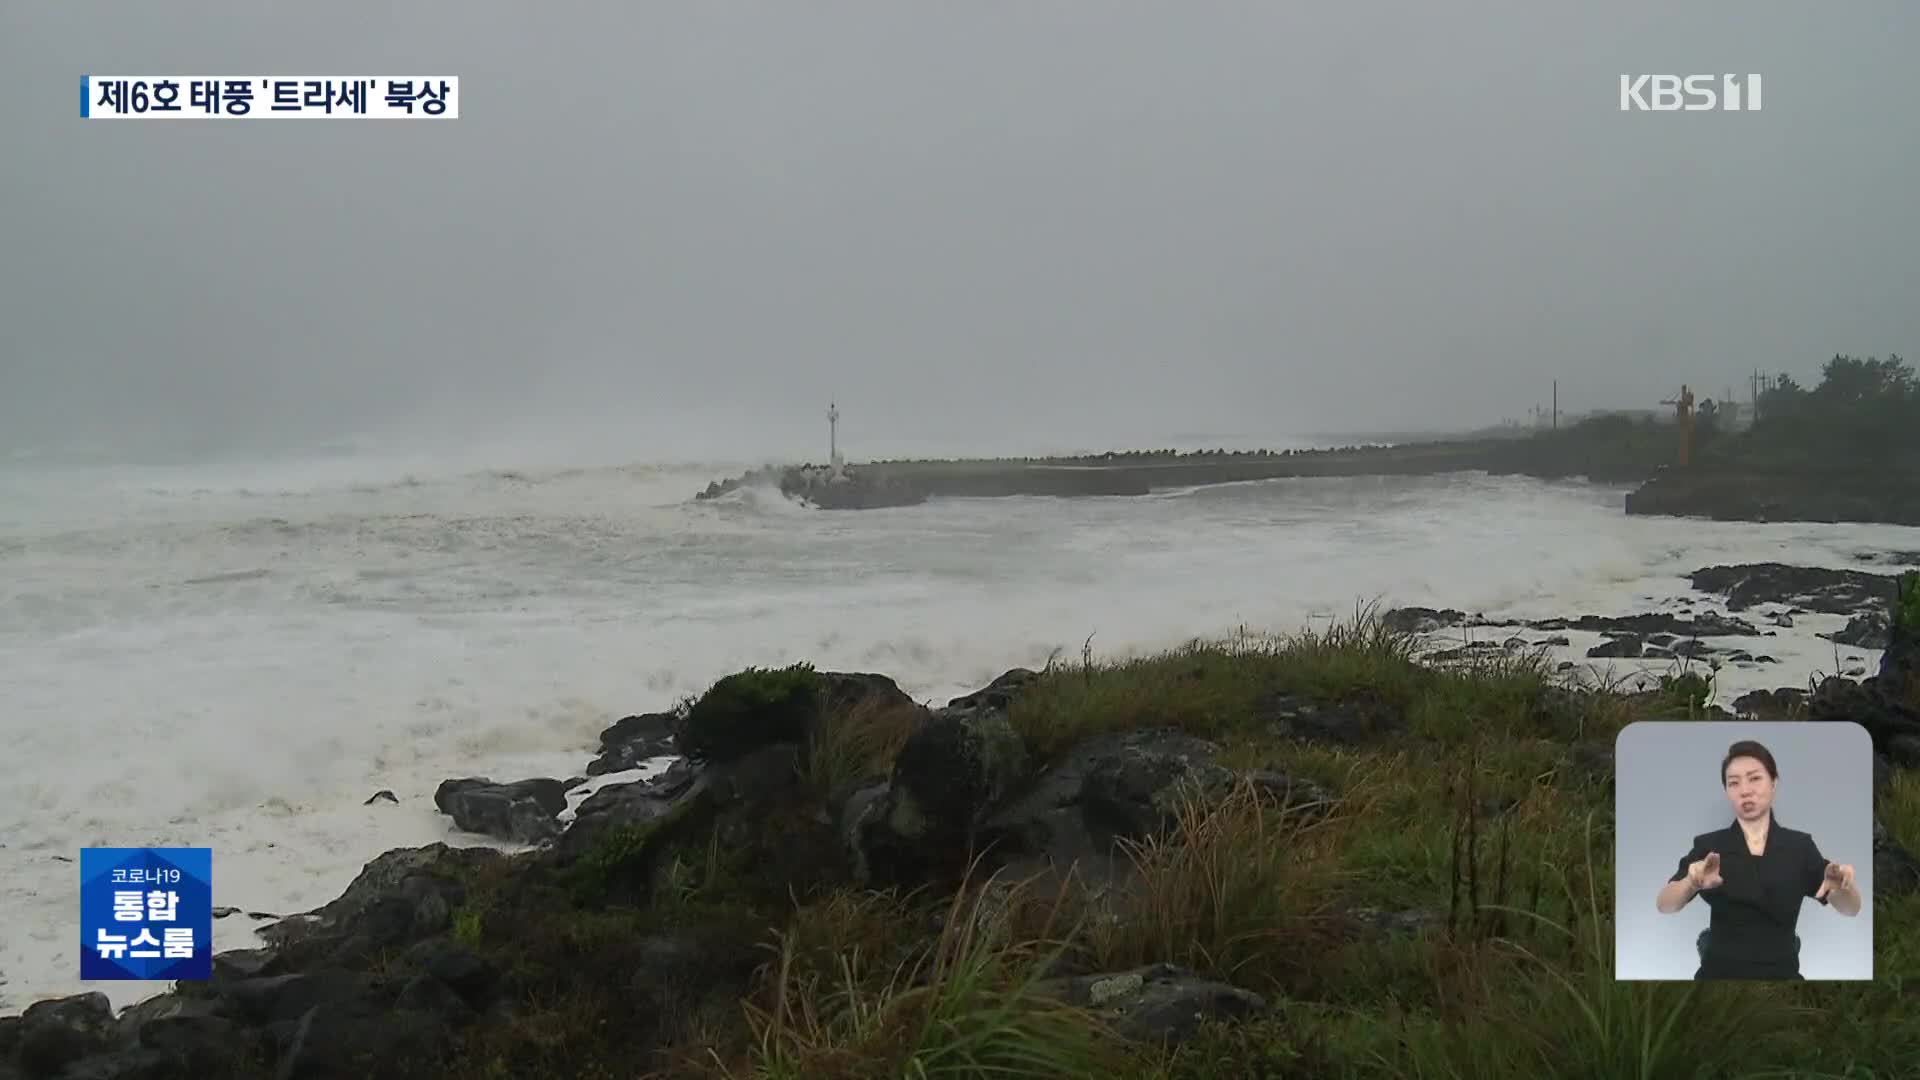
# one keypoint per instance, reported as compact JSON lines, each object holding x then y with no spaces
{"x":1753,"y":875}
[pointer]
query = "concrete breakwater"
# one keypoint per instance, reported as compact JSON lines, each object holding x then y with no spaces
{"x":1641,"y":459}
{"x":904,"y":483}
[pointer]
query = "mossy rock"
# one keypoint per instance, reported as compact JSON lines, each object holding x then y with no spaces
{"x":952,"y":771}
{"x":750,"y":709}
{"x":621,"y":858}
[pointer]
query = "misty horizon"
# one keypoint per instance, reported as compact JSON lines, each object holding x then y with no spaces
{"x":680,"y":233}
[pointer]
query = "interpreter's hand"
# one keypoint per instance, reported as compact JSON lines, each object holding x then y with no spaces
{"x":1839,"y":876}
{"x":1705,"y":874}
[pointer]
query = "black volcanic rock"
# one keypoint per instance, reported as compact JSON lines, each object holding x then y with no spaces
{"x":53,"y":1034}
{"x":1076,"y":816}
{"x":1893,"y":724}
{"x":1421,"y":620}
{"x":1785,"y":703}
{"x":1705,"y":624}
{"x":1868,"y":630}
{"x":950,"y":773}
{"x":525,"y":811}
{"x":631,"y":804}
{"x":1831,"y":592}
{"x":853,"y":691}
{"x":1155,"y":1005}
{"x":632,"y":741}
{"x":1741,"y":493}
{"x":1617,"y":648}
{"x":999,"y":693}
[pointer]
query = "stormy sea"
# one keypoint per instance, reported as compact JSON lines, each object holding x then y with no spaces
{"x":236,"y":658}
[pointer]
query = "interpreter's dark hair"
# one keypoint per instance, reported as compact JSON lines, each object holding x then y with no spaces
{"x":1748,"y":748}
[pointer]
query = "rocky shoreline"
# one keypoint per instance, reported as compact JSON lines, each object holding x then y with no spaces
{"x":1774,"y":591}
{"x":444,"y":961}
{"x":382,"y":981}
{"x":1772,"y":594}
{"x":1740,"y":493}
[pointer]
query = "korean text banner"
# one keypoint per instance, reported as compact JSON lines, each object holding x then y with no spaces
{"x":269,"y":97}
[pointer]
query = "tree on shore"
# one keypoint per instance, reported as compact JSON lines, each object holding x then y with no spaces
{"x":1783,"y":399}
{"x":1847,"y":381}
{"x":1863,"y":409}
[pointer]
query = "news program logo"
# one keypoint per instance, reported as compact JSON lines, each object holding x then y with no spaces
{"x":146,"y":913}
{"x":1689,"y":93}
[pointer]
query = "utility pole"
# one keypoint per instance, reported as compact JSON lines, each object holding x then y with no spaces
{"x":1556,"y":404}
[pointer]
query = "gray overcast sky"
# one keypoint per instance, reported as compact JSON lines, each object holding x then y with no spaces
{"x":689,"y":223}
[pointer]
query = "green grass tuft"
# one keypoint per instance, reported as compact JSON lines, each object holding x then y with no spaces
{"x":468,"y":925}
{"x":1906,"y":610}
{"x":1578,"y":1021}
{"x":749,"y":709}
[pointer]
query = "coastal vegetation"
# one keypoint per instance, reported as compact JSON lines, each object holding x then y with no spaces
{"x":1846,"y":450}
{"x":1447,"y":911}
{"x":1863,"y":412}
{"x":1326,"y":854}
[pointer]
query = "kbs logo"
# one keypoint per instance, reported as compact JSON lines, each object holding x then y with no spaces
{"x":1691,"y":93}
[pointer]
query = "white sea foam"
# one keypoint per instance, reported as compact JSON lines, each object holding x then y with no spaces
{"x":239,"y":658}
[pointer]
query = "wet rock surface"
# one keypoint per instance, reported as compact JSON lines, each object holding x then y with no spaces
{"x":1076,"y":816}
{"x":1791,"y":590}
{"x":952,"y":771}
{"x":998,"y":694}
{"x":632,"y":741}
{"x":524,"y":812}
{"x":1871,"y":630}
{"x":1831,"y":592}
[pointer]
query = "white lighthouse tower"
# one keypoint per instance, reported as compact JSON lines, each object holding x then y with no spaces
{"x":833,"y":440}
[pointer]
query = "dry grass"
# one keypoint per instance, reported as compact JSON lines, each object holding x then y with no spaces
{"x":1241,"y":890}
{"x":968,"y":1006}
{"x":850,"y":746}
